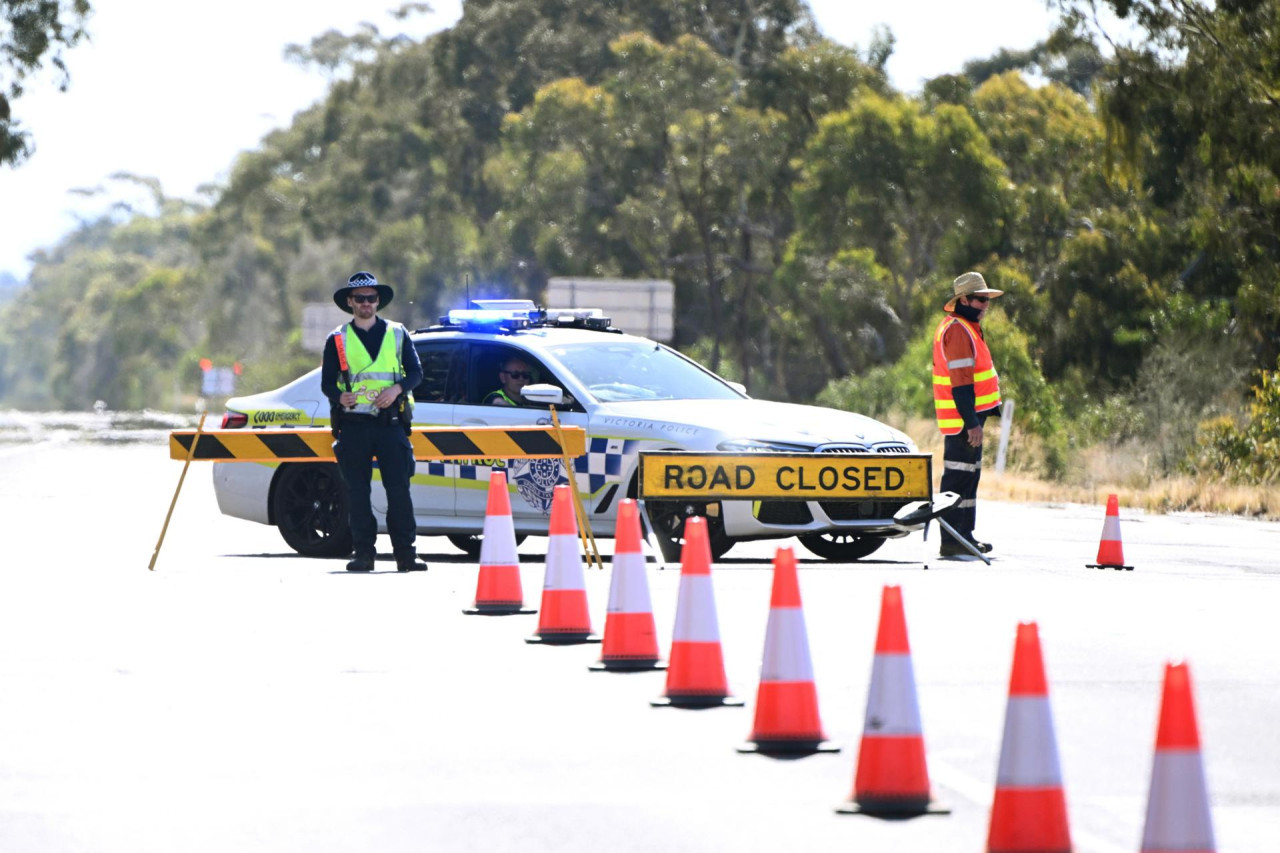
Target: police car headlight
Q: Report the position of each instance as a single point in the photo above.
(751, 445)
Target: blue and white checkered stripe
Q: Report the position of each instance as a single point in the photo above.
(601, 465)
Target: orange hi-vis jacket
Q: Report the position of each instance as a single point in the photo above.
(955, 371)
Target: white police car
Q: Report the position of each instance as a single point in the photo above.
(628, 393)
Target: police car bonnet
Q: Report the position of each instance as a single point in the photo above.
(362, 279)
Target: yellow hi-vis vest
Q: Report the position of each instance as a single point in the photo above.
(986, 384)
(369, 376)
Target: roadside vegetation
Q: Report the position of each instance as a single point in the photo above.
(1124, 192)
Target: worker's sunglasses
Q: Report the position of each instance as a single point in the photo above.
(364, 297)
(519, 374)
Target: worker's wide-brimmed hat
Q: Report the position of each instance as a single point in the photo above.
(357, 281)
(970, 284)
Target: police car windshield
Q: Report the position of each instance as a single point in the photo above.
(632, 370)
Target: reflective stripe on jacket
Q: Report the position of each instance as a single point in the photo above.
(986, 384)
(369, 380)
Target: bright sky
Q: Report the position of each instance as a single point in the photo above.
(175, 90)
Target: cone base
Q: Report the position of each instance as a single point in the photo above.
(893, 808)
(568, 638)
(697, 702)
(1106, 566)
(627, 665)
(787, 747)
(497, 609)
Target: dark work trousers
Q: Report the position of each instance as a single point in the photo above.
(359, 441)
(961, 470)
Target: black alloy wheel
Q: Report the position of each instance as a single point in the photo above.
(668, 519)
(841, 547)
(310, 508)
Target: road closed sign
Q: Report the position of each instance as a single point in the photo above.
(796, 476)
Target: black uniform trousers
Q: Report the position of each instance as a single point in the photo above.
(360, 439)
(961, 470)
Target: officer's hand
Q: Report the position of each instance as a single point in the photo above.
(387, 396)
(975, 436)
(347, 399)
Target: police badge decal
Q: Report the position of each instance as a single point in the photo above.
(536, 480)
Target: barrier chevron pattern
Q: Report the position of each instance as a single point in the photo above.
(429, 443)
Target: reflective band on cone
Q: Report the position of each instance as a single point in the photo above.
(892, 778)
(1110, 551)
(695, 670)
(786, 719)
(1178, 803)
(630, 638)
(1029, 814)
(564, 617)
(498, 589)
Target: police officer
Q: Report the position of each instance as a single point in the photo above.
(966, 391)
(369, 371)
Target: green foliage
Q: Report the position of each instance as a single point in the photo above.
(31, 32)
(1247, 451)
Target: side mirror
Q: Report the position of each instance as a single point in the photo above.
(737, 386)
(544, 394)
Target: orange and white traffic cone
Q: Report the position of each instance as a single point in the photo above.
(498, 590)
(695, 672)
(1178, 802)
(786, 718)
(1110, 551)
(1029, 814)
(892, 778)
(564, 618)
(630, 638)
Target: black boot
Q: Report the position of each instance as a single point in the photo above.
(410, 563)
(360, 564)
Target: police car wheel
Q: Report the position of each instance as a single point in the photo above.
(310, 509)
(470, 542)
(841, 547)
(668, 524)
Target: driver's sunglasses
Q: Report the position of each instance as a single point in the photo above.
(983, 299)
(364, 297)
(519, 374)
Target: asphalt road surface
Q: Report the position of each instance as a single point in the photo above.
(243, 698)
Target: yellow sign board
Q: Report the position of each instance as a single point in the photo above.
(785, 476)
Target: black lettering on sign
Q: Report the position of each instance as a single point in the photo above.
(721, 478)
(894, 478)
(827, 478)
(803, 486)
(783, 471)
(697, 476)
(745, 477)
(852, 482)
(872, 472)
(673, 477)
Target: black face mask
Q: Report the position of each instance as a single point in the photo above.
(968, 312)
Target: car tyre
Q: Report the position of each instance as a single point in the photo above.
(841, 547)
(668, 518)
(310, 509)
(470, 542)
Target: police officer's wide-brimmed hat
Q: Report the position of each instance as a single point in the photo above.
(970, 284)
(362, 279)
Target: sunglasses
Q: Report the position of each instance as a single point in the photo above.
(983, 299)
(518, 374)
(364, 297)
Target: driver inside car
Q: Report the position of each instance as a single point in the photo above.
(514, 375)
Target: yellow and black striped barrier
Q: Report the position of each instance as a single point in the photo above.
(429, 443)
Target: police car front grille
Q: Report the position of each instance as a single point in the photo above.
(783, 512)
(860, 510)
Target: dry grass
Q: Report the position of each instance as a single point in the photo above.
(1101, 471)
